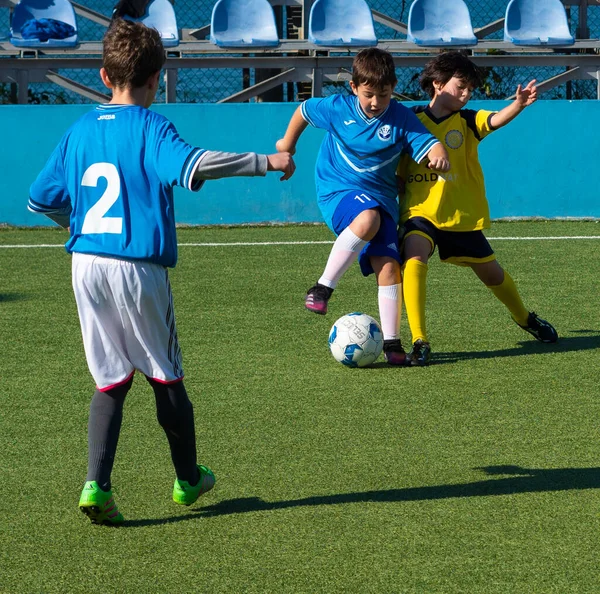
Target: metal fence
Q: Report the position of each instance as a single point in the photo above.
(211, 85)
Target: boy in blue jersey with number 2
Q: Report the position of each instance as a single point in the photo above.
(110, 180)
(367, 133)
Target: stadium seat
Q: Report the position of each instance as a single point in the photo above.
(243, 23)
(537, 22)
(160, 15)
(35, 23)
(341, 22)
(440, 23)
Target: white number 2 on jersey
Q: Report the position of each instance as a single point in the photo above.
(95, 221)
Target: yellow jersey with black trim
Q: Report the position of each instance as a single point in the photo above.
(455, 200)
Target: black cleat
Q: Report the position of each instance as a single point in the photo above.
(420, 354)
(540, 329)
(317, 298)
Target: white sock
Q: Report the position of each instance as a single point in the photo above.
(390, 303)
(344, 252)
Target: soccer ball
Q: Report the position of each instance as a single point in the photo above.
(356, 340)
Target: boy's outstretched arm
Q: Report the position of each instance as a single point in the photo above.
(294, 130)
(217, 164)
(523, 98)
(438, 158)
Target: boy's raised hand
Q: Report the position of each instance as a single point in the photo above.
(438, 158)
(523, 98)
(526, 96)
(281, 162)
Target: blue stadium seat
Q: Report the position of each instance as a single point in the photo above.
(537, 22)
(341, 22)
(160, 15)
(30, 16)
(243, 23)
(440, 23)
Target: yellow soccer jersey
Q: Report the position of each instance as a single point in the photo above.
(454, 201)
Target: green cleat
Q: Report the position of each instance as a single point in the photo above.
(186, 494)
(99, 506)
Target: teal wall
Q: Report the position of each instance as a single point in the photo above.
(543, 164)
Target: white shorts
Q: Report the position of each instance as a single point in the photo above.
(127, 320)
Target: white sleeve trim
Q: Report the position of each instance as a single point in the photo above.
(423, 152)
(305, 115)
(193, 162)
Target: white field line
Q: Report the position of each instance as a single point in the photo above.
(266, 243)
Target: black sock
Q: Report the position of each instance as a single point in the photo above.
(175, 414)
(104, 426)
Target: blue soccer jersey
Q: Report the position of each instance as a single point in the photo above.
(360, 153)
(114, 171)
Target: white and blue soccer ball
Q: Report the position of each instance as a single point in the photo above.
(356, 340)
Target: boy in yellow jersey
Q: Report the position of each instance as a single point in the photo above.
(449, 210)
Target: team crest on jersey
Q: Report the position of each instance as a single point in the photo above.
(454, 139)
(385, 132)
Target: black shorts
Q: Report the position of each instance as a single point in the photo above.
(456, 247)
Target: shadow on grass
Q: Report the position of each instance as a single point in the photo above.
(531, 347)
(523, 480)
(5, 297)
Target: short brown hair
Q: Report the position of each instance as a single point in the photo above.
(446, 65)
(131, 54)
(374, 67)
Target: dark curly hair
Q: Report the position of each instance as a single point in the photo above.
(446, 65)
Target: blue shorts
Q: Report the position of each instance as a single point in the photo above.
(385, 242)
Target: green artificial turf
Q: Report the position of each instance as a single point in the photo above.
(480, 473)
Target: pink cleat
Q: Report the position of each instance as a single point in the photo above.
(394, 353)
(317, 298)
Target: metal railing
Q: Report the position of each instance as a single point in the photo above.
(199, 71)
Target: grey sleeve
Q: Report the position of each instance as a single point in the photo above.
(216, 164)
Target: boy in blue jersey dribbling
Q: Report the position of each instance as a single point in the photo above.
(367, 133)
(110, 181)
